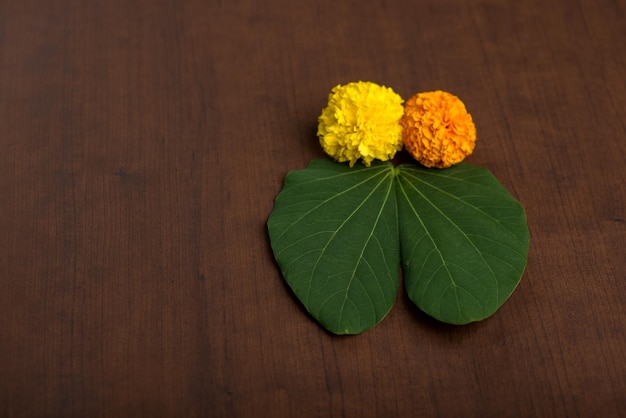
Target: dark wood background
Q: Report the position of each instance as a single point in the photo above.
(142, 144)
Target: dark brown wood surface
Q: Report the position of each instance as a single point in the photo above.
(142, 144)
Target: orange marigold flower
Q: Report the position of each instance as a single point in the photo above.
(437, 130)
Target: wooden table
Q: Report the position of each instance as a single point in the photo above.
(142, 144)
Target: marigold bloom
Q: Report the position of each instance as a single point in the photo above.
(437, 130)
(361, 121)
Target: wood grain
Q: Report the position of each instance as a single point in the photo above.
(142, 144)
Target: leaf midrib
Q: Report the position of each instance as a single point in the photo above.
(323, 249)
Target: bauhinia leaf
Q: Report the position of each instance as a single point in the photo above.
(334, 233)
(464, 241)
(338, 235)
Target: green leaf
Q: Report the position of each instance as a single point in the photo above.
(464, 241)
(338, 235)
(334, 233)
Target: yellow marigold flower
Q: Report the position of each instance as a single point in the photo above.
(361, 121)
(437, 130)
